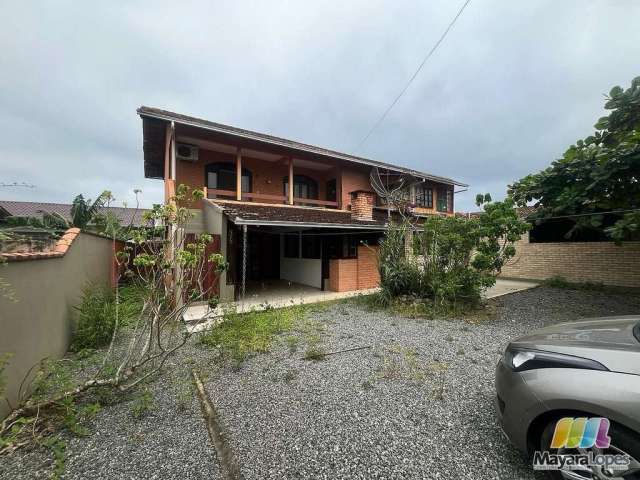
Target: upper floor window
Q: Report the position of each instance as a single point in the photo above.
(222, 176)
(303, 187)
(332, 190)
(424, 196)
(445, 200)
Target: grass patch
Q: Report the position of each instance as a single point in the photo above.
(242, 335)
(422, 308)
(558, 281)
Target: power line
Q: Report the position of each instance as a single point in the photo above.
(413, 77)
(590, 214)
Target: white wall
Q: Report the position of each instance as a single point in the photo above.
(213, 221)
(306, 271)
(37, 323)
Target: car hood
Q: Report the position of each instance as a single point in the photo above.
(608, 340)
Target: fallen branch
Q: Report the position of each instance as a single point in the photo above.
(230, 469)
(345, 351)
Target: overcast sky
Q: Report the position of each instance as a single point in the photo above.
(512, 86)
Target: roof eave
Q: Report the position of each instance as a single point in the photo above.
(336, 155)
(276, 223)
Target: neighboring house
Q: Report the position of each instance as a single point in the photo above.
(10, 208)
(279, 209)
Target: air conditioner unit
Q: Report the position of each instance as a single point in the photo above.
(186, 152)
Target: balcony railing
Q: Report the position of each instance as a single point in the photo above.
(213, 193)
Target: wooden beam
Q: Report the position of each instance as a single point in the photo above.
(290, 192)
(239, 174)
(173, 152)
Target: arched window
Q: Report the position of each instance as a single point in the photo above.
(222, 176)
(303, 187)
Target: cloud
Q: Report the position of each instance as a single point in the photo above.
(512, 86)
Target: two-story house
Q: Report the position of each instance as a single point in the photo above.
(281, 210)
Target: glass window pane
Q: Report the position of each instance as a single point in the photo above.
(246, 184)
(212, 180)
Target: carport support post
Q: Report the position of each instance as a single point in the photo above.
(244, 259)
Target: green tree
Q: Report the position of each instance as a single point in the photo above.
(598, 174)
(455, 259)
(84, 211)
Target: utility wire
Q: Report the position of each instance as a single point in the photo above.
(590, 214)
(413, 77)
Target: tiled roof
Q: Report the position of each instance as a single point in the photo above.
(159, 114)
(59, 250)
(266, 214)
(126, 216)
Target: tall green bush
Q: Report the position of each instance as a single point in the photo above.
(96, 314)
(452, 259)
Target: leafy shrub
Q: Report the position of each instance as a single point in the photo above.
(454, 258)
(97, 314)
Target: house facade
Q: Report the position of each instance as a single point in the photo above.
(279, 210)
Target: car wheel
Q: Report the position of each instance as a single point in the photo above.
(623, 442)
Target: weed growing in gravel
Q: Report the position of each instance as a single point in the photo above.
(290, 376)
(438, 369)
(292, 342)
(142, 404)
(314, 352)
(400, 363)
(367, 385)
(184, 394)
(58, 450)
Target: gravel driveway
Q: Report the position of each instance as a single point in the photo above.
(417, 404)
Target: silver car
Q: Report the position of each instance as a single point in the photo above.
(576, 372)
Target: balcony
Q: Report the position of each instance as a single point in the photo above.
(213, 193)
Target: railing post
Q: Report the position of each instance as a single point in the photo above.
(290, 192)
(239, 174)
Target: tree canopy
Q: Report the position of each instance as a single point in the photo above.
(598, 174)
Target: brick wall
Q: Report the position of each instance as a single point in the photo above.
(353, 179)
(355, 273)
(597, 262)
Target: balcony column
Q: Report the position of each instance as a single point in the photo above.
(290, 192)
(238, 174)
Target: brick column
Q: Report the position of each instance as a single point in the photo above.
(362, 205)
